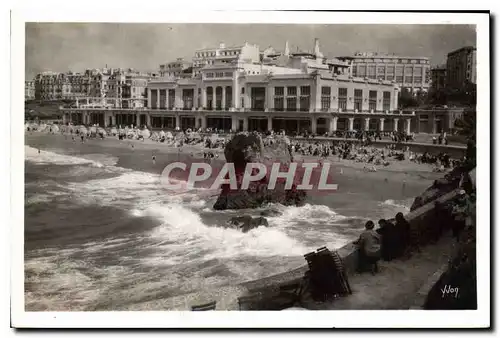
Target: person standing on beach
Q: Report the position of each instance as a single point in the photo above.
(154, 159)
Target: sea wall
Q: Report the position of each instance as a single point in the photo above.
(227, 297)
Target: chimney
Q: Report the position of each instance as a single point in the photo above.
(316, 47)
(287, 50)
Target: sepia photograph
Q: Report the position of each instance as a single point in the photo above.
(275, 161)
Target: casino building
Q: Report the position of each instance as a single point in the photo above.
(297, 92)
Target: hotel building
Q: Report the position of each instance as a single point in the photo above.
(29, 90)
(410, 73)
(177, 68)
(295, 92)
(225, 54)
(461, 68)
(438, 78)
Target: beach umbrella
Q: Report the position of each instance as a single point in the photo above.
(168, 135)
(195, 135)
(102, 131)
(162, 134)
(55, 128)
(82, 130)
(145, 133)
(113, 131)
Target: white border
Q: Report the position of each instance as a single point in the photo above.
(318, 319)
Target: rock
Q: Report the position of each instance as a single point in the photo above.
(243, 149)
(246, 223)
(440, 187)
(270, 212)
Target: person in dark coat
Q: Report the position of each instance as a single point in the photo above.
(387, 232)
(408, 236)
(402, 234)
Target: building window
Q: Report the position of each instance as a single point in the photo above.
(218, 98)
(154, 97)
(219, 74)
(279, 101)
(229, 97)
(210, 98)
(386, 103)
(291, 100)
(408, 79)
(362, 71)
(372, 103)
(380, 70)
(343, 98)
(209, 75)
(325, 97)
(358, 99)
(371, 72)
(417, 79)
(291, 103)
(305, 98)
(187, 98)
(258, 98)
(163, 98)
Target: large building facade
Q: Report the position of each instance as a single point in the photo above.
(225, 54)
(412, 74)
(177, 68)
(248, 97)
(438, 78)
(61, 86)
(461, 68)
(29, 90)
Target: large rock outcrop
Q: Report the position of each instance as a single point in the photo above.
(440, 187)
(243, 149)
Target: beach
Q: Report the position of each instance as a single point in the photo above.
(100, 231)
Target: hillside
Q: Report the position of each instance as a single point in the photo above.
(43, 109)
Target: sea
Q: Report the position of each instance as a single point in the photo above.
(101, 233)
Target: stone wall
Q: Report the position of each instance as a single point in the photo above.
(227, 297)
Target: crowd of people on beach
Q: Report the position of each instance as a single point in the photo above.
(441, 139)
(370, 154)
(212, 142)
(398, 239)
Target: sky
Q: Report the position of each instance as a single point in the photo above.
(144, 46)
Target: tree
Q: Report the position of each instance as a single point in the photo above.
(466, 125)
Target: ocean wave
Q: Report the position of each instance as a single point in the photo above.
(190, 239)
(308, 213)
(401, 204)
(48, 157)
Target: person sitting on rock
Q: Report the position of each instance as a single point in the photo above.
(368, 249)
